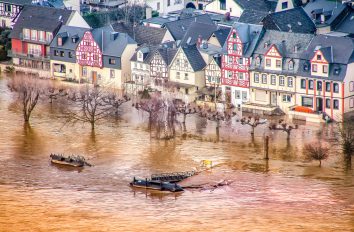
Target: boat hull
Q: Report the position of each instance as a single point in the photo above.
(72, 164)
(154, 185)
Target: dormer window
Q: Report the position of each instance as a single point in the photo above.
(258, 61)
(336, 70)
(306, 66)
(325, 69)
(60, 41)
(291, 65)
(314, 67)
(284, 5)
(234, 35)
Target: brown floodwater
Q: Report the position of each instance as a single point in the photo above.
(284, 194)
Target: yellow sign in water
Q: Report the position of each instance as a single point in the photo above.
(207, 163)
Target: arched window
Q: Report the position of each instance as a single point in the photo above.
(258, 61)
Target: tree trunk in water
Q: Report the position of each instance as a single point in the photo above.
(252, 132)
(320, 163)
(217, 131)
(92, 126)
(184, 118)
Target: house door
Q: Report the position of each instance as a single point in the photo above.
(273, 98)
(319, 104)
(94, 78)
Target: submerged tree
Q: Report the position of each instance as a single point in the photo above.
(88, 105)
(283, 126)
(217, 117)
(185, 110)
(29, 90)
(316, 152)
(253, 122)
(116, 100)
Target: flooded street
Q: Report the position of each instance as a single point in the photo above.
(284, 194)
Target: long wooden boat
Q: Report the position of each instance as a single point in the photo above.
(156, 185)
(73, 161)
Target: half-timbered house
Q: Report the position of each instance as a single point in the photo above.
(33, 32)
(187, 70)
(9, 10)
(275, 66)
(160, 61)
(325, 85)
(236, 61)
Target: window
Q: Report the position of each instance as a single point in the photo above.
(48, 36)
(60, 41)
(41, 36)
(351, 102)
(278, 63)
(291, 65)
(284, 5)
(26, 33)
(56, 53)
(229, 74)
(256, 78)
(70, 54)
(158, 6)
(234, 47)
(328, 103)
(290, 82)
(307, 101)
(314, 68)
(335, 104)
(244, 95)
(281, 81)
(258, 61)
(264, 78)
(112, 61)
(268, 62)
(234, 35)
(319, 57)
(95, 57)
(230, 59)
(325, 69)
(319, 85)
(273, 79)
(303, 84)
(335, 87)
(240, 76)
(186, 76)
(351, 86)
(83, 56)
(222, 4)
(310, 84)
(328, 86)
(168, 2)
(286, 98)
(33, 34)
(7, 7)
(112, 73)
(238, 94)
(84, 71)
(62, 53)
(240, 61)
(178, 75)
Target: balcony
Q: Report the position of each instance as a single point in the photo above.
(28, 56)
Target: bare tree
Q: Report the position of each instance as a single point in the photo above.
(217, 117)
(116, 100)
(54, 93)
(29, 90)
(283, 126)
(88, 105)
(316, 152)
(253, 122)
(185, 110)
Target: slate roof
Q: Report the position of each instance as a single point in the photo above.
(141, 34)
(263, 5)
(250, 34)
(347, 24)
(285, 43)
(194, 57)
(179, 28)
(333, 10)
(294, 20)
(67, 32)
(197, 29)
(252, 16)
(18, 2)
(167, 54)
(40, 18)
(221, 34)
(111, 47)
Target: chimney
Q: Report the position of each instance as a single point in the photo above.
(323, 19)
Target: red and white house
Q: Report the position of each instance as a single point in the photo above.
(236, 61)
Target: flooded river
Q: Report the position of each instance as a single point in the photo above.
(284, 194)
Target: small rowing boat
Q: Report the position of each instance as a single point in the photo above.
(156, 185)
(74, 161)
